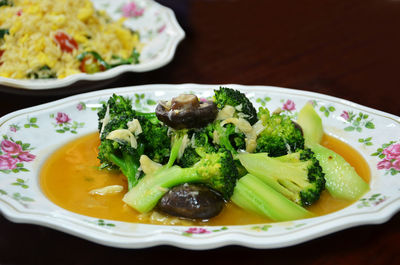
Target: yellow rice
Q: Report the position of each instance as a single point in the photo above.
(30, 43)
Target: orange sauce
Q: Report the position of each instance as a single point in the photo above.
(72, 172)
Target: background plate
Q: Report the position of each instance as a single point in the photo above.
(159, 31)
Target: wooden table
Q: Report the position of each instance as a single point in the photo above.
(347, 49)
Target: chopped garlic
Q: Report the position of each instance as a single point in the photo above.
(134, 127)
(123, 135)
(226, 113)
(107, 190)
(185, 143)
(245, 127)
(258, 127)
(105, 120)
(147, 165)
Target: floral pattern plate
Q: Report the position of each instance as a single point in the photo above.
(159, 31)
(30, 135)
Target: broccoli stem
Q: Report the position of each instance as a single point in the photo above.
(254, 195)
(275, 171)
(174, 151)
(129, 167)
(146, 194)
(224, 138)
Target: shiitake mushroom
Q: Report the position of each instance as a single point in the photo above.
(186, 111)
(192, 201)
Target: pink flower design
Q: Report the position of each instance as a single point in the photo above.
(62, 118)
(289, 105)
(384, 164)
(313, 102)
(13, 128)
(8, 162)
(197, 230)
(26, 157)
(345, 115)
(10, 148)
(132, 10)
(162, 28)
(396, 164)
(392, 151)
(80, 106)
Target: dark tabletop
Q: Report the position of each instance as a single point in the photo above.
(347, 49)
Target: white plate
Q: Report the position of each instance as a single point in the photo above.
(21, 198)
(159, 31)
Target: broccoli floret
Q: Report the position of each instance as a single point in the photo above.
(115, 106)
(280, 136)
(119, 105)
(216, 170)
(229, 137)
(155, 136)
(200, 143)
(298, 176)
(228, 96)
(118, 153)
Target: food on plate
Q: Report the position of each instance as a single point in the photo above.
(239, 163)
(54, 39)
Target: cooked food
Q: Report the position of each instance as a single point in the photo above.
(42, 39)
(264, 163)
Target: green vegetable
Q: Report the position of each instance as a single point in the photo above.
(133, 59)
(228, 96)
(280, 136)
(95, 55)
(298, 176)
(311, 123)
(342, 181)
(6, 3)
(43, 72)
(216, 170)
(119, 153)
(201, 143)
(256, 196)
(3, 32)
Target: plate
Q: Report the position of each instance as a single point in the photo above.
(35, 133)
(159, 31)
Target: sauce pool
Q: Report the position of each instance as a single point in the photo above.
(72, 172)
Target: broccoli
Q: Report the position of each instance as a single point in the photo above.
(123, 149)
(228, 96)
(115, 106)
(119, 153)
(298, 176)
(229, 137)
(155, 136)
(280, 136)
(200, 143)
(216, 170)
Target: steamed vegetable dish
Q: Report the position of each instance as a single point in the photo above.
(197, 159)
(54, 39)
